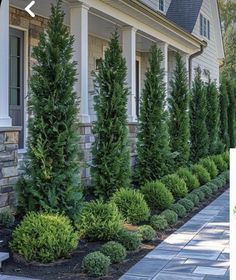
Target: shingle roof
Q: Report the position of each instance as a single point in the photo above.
(184, 13)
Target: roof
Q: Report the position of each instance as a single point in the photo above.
(184, 13)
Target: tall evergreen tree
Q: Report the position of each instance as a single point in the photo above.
(198, 111)
(111, 162)
(224, 104)
(179, 115)
(213, 116)
(231, 113)
(52, 179)
(153, 141)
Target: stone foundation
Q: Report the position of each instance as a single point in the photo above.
(8, 166)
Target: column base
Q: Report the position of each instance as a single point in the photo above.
(132, 119)
(5, 122)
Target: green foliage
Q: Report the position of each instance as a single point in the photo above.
(187, 203)
(130, 240)
(152, 146)
(179, 116)
(207, 191)
(111, 168)
(99, 221)
(210, 166)
(158, 222)
(179, 210)
(219, 182)
(198, 112)
(225, 175)
(127, 201)
(214, 187)
(231, 90)
(190, 180)
(157, 196)
(220, 163)
(51, 182)
(226, 157)
(176, 185)
(200, 194)
(194, 198)
(115, 251)
(170, 216)
(224, 104)
(228, 12)
(96, 264)
(44, 237)
(7, 218)
(213, 116)
(147, 233)
(201, 173)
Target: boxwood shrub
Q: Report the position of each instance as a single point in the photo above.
(179, 210)
(96, 264)
(158, 222)
(187, 203)
(207, 191)
(7, 218)
(44, 238)
(170, 216)
(194, 198)
(132, 205)
(147, 233)
(115, 251)
(130, 240)
(201, 173)
(210, 167)
(176, 185)
(99, 221)
(190, 180)
(226, 157)
(200, 194)
(157, 196)
(220, 163)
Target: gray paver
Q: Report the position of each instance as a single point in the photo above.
(6, 277)
(199, 250)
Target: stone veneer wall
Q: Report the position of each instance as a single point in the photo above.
(8, 166)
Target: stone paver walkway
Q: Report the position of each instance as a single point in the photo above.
(199, 250)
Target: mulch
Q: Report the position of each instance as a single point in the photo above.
(70, 268)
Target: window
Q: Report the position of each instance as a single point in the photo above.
(16, 81)
(205, 28)
(161, 5)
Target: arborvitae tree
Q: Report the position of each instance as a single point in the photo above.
(213, 116)
(153, 141)
(198, 111)
(231, 113)
(224, 104)
(179, 115)
(51, 182)
(111, 159)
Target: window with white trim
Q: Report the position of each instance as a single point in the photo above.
(205, 27)
(161, 5)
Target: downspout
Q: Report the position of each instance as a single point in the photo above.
(191, 57)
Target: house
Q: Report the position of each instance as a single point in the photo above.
(190, 27)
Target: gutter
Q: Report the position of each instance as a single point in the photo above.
(191, 57)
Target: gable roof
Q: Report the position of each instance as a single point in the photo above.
(184, 13)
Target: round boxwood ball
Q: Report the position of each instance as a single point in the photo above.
(130, 240)
(158, 222)
(96, 264)
(147, 233)
(115, 251)
(170, 216)
(179, 210)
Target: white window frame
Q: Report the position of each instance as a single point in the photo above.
(205, 26)
(161, 5)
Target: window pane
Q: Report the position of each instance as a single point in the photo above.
(14, 46)
(161, 5)
(14, 96)
(208, 29)
(201, 25)
(15, 72)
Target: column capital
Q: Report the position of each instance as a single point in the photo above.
(129, 28)
(81, 5)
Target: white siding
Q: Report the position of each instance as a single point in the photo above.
(154, 4)
(209, 59)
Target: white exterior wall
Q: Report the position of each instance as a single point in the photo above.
(154, 4)
(209, 59)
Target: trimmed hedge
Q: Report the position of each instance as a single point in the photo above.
(157, 196)
(194, 198)
(188, 204)
(147, 233)
(115, 251)
(158, 222)
(179, 210)
(190, 179)
(210, 167)
(96, 264)
(170, 216)
(132, 205)
(176, 185)
(130, 240)
(201, 173)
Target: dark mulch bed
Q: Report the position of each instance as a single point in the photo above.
(70, 268)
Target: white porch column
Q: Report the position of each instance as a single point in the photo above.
(164, 49)
(79, 28)
(5, 119)
(129, 52)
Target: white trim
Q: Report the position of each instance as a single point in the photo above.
(26, 77)
(139, 59)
